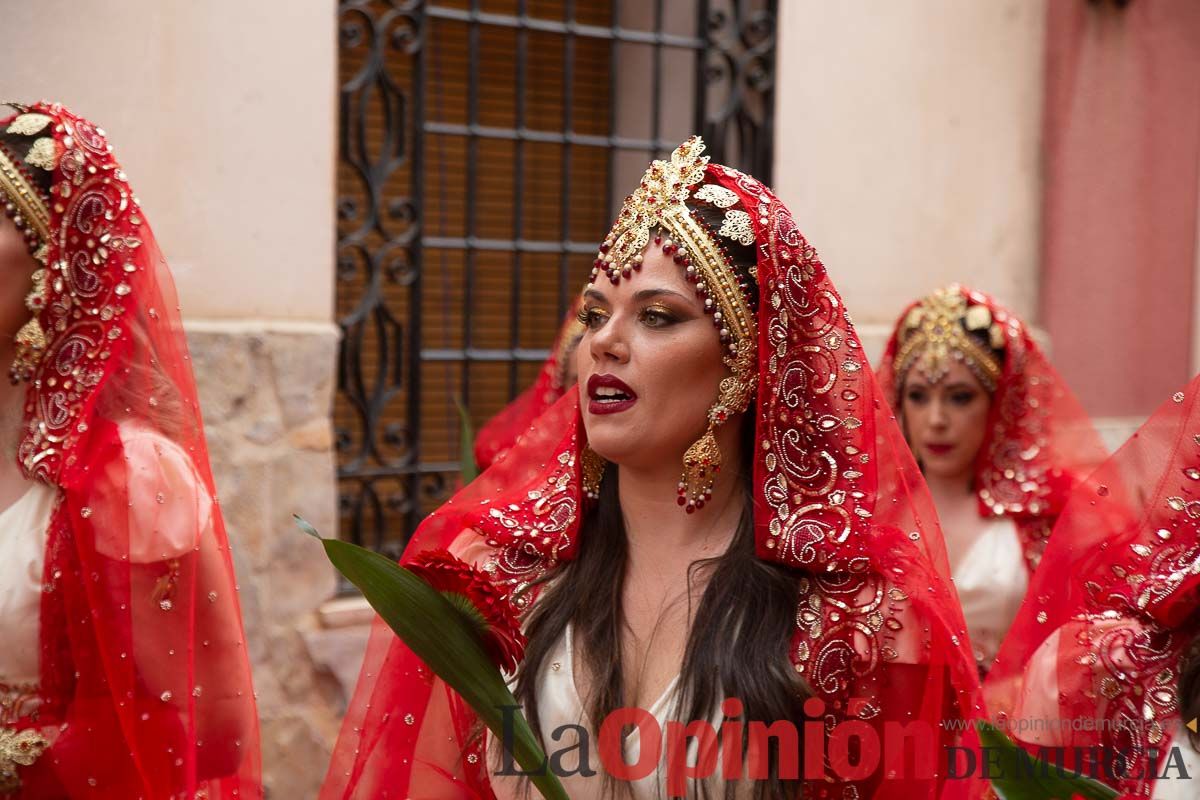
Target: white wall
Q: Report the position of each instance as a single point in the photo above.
(223, 114)
(907, 146)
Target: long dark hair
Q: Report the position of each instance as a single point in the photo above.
(738, 643)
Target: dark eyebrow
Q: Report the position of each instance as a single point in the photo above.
(959, 385)
(639, 296)
(647, 294)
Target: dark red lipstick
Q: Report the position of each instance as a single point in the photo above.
(608, 394)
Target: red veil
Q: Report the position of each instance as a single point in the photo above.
(1040, 442)
(837, 498)
(497, 437)
(144, 685)
(1110, 613)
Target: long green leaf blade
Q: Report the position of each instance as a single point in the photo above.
(440, 635)
(466, 444)
(1026, 777)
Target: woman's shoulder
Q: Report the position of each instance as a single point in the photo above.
(151, 505)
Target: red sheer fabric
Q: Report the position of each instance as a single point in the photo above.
(1093, 658)
(837, 498)
(145, 687)
(497, 437)
(1040, 441)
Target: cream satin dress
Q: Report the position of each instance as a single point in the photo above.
(991, 580)
(22, 555)
(559, 705)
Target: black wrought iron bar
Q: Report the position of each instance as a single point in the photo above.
(514, 336)
(455, 354)
(412, 470)
(506, 245)
(656, 69)
(700, 115)
(546, 137)
(565, 28)
(472, 205)
(416, 299)
(568, 126)
(610, 154)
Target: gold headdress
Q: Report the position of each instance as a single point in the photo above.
(936, 330)
(24, 201)
(660, 202)
(28, 206)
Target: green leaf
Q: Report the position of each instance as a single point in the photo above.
(447, 641)
(1026, 777)
(466, 444)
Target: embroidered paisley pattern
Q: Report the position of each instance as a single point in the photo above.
(88, 262)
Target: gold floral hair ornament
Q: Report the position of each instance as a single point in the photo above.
(23, 201)
(660, 203)
(938, 329)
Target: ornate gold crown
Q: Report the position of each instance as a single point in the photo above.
(936, 331)
(660, 201)
(22, 200)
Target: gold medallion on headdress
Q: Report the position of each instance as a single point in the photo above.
(939, 329)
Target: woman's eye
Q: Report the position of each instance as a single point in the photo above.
(657, 317)
(591, 317)
(962, 398)
(916, 396)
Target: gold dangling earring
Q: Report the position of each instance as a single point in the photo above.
(593, 473)
(31, 339)
(702, 461)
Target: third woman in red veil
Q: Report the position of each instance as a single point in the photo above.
(722, 523)
(1104, 656)
(1000, 440)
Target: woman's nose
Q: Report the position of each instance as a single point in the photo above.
(608, 343)
(937, 414)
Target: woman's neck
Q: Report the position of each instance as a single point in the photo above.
(949, 490)
(657, 527)
(12, 399)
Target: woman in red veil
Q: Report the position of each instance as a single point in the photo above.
(999, 437)
(124, 671)
(498, 436)
(1104, 653)
(721, 525)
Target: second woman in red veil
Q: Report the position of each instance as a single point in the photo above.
(724, 509)
(1001, 441)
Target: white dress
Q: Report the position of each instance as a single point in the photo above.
(22, 555)
(559, 705)
(991, 579)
